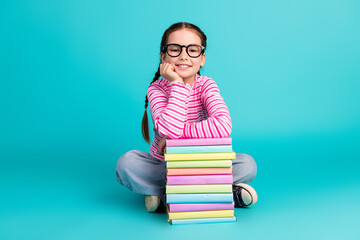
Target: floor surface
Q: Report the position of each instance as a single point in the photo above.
(308, 188)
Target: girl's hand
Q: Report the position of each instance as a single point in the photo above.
(162, 145)
(167, 70)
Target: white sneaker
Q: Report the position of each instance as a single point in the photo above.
(244, 195)
(152, 203)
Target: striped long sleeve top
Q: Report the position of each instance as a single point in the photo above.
(182, 111)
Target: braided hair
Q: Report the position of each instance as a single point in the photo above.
(172, 28)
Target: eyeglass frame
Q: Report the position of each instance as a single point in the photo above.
(165, 47)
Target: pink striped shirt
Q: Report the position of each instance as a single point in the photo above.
(182, 111)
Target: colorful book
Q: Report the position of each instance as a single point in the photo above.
(198, 141)
(199, 164)
(209, 188)
(201, 214)
(202, 179)
(202, 220)
(199, 149)
(199, 156)
(190, 207)
(198, 171)
(199, 197)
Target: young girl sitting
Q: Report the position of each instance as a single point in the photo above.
(183, 104)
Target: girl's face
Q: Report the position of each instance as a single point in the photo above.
(185, 66)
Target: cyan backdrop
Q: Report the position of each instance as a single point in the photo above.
(74, 76)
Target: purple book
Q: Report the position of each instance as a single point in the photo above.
(190, 207)
(200, 179)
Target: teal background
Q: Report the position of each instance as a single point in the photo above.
(74, 76)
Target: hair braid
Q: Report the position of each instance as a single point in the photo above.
(145, 121)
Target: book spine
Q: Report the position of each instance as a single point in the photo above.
(198, 141)
(199, 198)
(198, 171)
(199, 164)
(203, 179)
(209, 188)
(201, 214)
(199, 156)
(199, 149)
(190, 207)
(202, 220)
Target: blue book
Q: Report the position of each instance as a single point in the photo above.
(199, 197)
(199, 149)
(202, 220)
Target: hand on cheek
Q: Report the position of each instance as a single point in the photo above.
(167, 70)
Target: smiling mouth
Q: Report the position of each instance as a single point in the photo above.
(184, 66)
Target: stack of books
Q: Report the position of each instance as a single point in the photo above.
(199, 180)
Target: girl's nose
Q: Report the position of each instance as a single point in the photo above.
(183, 55)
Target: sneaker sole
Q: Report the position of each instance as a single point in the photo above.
(251, 190)
(151, 205)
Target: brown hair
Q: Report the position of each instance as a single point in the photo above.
(172, 28)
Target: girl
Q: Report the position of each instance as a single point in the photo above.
(183, 104)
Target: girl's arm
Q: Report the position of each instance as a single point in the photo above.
(168, 112)
(218, 123)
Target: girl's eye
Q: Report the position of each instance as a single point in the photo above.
(194, 49)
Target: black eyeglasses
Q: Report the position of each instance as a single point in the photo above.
(174, 50)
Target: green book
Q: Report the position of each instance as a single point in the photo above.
(206, 188)
(200, 164)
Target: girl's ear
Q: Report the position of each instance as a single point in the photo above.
(203, 60)
(162, 57)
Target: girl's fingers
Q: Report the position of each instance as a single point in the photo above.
(169, 68)
(166, 68)
(162, 68)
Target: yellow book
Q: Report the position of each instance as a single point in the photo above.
(203, 188)
(201, 214)
(199, 156)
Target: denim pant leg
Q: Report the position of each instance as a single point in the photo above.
(142, 173)
(244, 168)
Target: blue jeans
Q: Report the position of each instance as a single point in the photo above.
(142, 173)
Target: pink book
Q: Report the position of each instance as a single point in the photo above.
(190, 207)
(198, 142)
(198, 171)
(201, 179)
